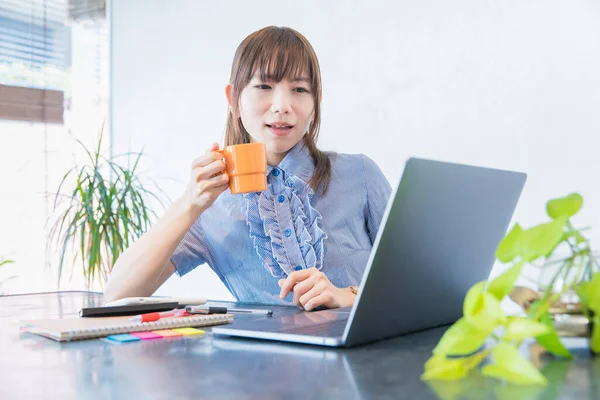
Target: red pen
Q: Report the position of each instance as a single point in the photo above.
(155, 316)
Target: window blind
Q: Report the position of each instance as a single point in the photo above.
(34, 59)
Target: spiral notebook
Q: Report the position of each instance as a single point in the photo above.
(68, 329)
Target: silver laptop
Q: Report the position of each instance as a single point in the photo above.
(437, 238)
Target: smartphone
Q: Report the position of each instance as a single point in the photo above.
(116, 311)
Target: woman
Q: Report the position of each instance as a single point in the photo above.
(305, 240)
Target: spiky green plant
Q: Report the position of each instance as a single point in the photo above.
(106, 210)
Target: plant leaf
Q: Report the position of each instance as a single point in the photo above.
(504, 283)
(551, 341)
(541, 240)
(593, 293)
(445, 369)
(434, 361)
(460, 339)
(596, 335)
(482, 310)
(574, 233)
(583, 290)
(442, 368)
(510, 366)
(565, 206)
(519, 328)
(6, 262)
(508, 248)
(64, 178)
(508, 375)
(471, 297)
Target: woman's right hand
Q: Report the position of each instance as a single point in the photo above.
(208, 179)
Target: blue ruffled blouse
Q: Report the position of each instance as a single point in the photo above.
(251, 241)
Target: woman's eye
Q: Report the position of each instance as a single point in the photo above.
(264, 87)
(301, 90)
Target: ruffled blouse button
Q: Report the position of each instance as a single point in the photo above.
(276, 172)
(281, 198)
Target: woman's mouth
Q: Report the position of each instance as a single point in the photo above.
(280, 129)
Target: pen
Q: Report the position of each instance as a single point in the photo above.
(225, 310)
(155, 316)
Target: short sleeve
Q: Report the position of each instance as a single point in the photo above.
(191, 251)
(378, 191)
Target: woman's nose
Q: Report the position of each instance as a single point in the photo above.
(281, 101)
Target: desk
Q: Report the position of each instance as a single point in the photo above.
(34, 367)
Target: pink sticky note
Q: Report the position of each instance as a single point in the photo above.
(146, 335)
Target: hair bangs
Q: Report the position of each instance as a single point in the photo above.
(283, 56)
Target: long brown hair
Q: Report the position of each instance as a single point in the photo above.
(278, 53)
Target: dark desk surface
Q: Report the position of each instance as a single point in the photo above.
(34, 367)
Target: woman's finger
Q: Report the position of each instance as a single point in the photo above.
(216, 181)
(292, 279)
(210, 170)
(303, 287)
(207, 158)
(314, 291)
(322, 299)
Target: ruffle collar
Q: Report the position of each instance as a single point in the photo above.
(300, 244)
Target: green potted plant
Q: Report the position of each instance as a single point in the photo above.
(105, 209)
(484, 330)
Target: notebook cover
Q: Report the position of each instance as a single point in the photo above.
(86, 328)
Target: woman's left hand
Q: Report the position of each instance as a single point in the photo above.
(311, 289)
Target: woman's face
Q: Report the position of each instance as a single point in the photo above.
(276, 114)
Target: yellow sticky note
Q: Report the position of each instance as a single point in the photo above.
(189, 331)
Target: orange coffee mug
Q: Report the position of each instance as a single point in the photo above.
(246, 166)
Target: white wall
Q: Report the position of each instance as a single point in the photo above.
(507, 84)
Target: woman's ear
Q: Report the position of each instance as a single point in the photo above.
(229, 96)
